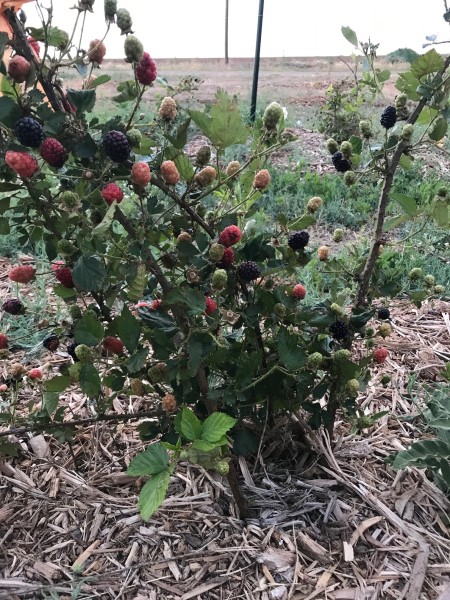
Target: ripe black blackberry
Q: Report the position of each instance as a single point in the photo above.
(116, 146)
(13, 306)
(383, 313)
(248, 271)
(298, 240)
(388, 117)
(51, 343)
(71, 351)
(339, 330)
(29, 132)
(340, 163)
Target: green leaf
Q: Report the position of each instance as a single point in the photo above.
(136, 288)
(405, 162)
(83, 100)
(180, 139)
(291, 353)
(407, 203)
(100, 80)
(350, 36)
(4, 226)
(85, 147)
(89, 331)
(53, 35)
(63, 292)
(89, 274)
(90, 382)
(128, 91)
(407, 83)
(153, 494)
(189, 426)
(3, 42)
(9, 112)
(157, 319)
(439, 129)
(57, 384)
(137, 360)
(225, 126)
(128, 329)
(105, 223)
(50, 402)
(150, 462)
(247, 367)
(203, 446)
(440, 424)
(8, 448)
(190, 297)
(422, 454)
(395, 222)
(216, 426)
(356, 143)
(431, 62)
(440, 213)
(302, 222)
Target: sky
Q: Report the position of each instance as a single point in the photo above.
(195, 28)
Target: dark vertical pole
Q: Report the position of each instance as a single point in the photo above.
(257, 55)
(226, 32)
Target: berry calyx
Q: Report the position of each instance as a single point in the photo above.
(29, 132)
(21, 163)
(22, 274)
(299, 291)
(112, 192)
(54, 153)
(379, 355)
(140, 174)
(230, 236)
(211, 306)
(113, 345)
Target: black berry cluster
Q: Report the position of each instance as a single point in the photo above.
(248, 271)
(29, 132)
(298, 240)
(51, 343)
(340, 163)
(13, 306)
(388, 117)
(383, 313)
(339, 330)
(116, 146)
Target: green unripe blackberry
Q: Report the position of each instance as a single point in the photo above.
(338, 235)
(222, 467)
(110, 10)
(66, 248)
(84, 353)
(415, 274)
(370, 343)
(314, 361)
(157, 373)
(272, 116)
(219, 279)
(314, 204)
(429, 280)
(203, 156)
(134, 49)
(352, 387)
(347, 150)
(439, 289)
(332, 146)
(279, 309)
(134, 137)
(369, 332)
(75, 312)
(385, 330)
(337, 309)
(400, 100)
(137, 387)
(124, 21)
(349, 178)
(407, 132)
(342, 355)
(365, 129)
(69, 200)
(216, 252)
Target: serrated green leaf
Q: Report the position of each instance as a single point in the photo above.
(302, 222)
(290, 350)
(50, 402)
(190, 297)
(350, 36)
(83, 100)
(9, 111)
(105, 223)
(89, 331)
(440, 213)
(128, 329)
(430, 62)
(63, 292)
(357, 144)
(407, 203)
(136, 289)
(407, 83)
(203, 446)
(150, 462)
(137, 360)
(57, 384)
(179, 141)
(90, 382)
(439, 129)
(89, 274)
(128, 91)
(53, 35)
(100, 80)
(395, 222)
(190, 426)
(153, 494)
(422, 454)
(216, 426)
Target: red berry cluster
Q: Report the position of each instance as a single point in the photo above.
(146, 70)
(230, 236)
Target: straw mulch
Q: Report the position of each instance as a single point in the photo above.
(335, 524)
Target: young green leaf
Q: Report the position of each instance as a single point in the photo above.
(153, 493)
(216, 426)
(190, 426)
(150, 462)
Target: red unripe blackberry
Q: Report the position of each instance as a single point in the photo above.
(340, 163)
(64, 276)
(113, 345)
(3, 341)
(380, 354)
(35, 374)
(248, 271)
(299, 291)
(227, 258)
(35, 45)
(211, 306)
(29, 132)
(146, 70)
(156, 304)
(388, 117)
(21, 163)
(339, 330)
(230, 236)
(54, 153)
(298, 240)
(169, 172)
(140, 174)
(116, 146)
(22, 274)
(18, 68)
(13, 306)
(110, 192)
